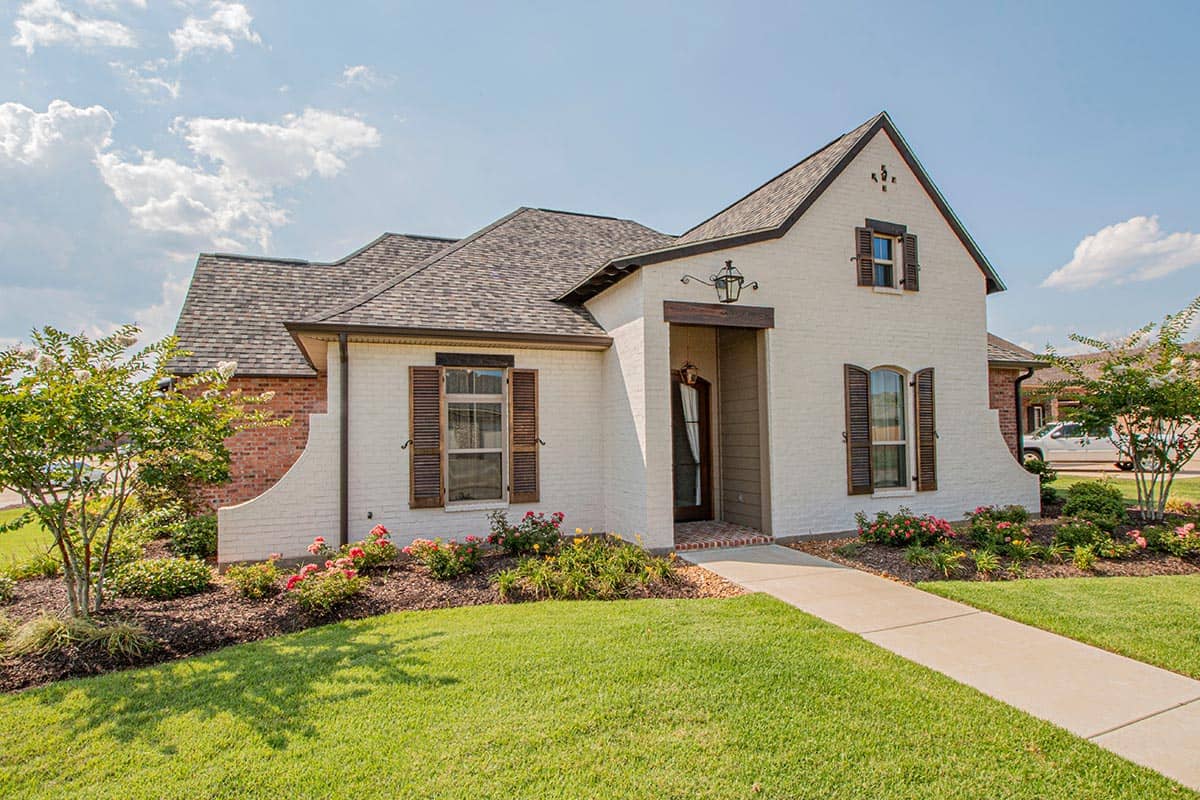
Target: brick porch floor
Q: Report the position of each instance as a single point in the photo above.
(716, 533)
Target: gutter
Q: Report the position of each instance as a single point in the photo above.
(1020, 426)
(344, 441)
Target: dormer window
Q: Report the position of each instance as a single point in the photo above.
(883, 249)
(885, 255)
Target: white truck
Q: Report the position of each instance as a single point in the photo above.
(1068, 442)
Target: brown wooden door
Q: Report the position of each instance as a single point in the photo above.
(691, 445)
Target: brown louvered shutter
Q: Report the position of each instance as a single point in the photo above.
(858, 431)
(863, 241)
(426, 432)
(523, 470)
(912, 265)
(923, 405)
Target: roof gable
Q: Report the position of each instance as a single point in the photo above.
(771, 210)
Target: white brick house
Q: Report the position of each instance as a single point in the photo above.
(561, 362)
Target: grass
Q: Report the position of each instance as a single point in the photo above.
(737, 698)
(18, 545)
(1153, 619)
(1182, 488)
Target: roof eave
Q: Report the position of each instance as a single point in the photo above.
(581, 341)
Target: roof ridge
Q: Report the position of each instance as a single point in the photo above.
(380, 288)
(336, 262)
(863, 127)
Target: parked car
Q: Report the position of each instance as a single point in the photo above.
(1069, 442)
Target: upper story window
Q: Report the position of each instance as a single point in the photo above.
(883, 251)
(889, 435)
(475, 440)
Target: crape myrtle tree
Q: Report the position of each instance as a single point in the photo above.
(85, 424)
(1143, 393)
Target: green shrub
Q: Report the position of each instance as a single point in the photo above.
(587, 568)
(8, 587)
(1178, 540)
(446, 560)
(1096, 497)
(535, 533)
(162, 578)
(1045, 473)
(195, 537)
(987, 563)
(947, 560)
(7, 627)
(1084, 557)
(1021, 550)
(44, 564)
(992, 526)
(917, 555)
(1115, 550)
(903, 528)
(254, 581)
(1079, 533)
(49, 634)
(1050, 495)
(149, 522)
(1105, 522)
(319, 591)
(1056, 551)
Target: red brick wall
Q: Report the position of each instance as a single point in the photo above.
(260, 457)
(1002, 395)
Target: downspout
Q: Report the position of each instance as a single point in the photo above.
(344, 442)
(1020, 425)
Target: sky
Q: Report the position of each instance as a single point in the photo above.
(135, 134)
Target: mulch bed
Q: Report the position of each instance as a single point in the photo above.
(188, 626)
(888, 561)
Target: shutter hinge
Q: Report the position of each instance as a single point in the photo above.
(844, 439)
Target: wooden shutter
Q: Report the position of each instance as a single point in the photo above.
(912, 265)
(923, 410)
(523, 442)
(859, 474)
(863, 243)
(427, 438)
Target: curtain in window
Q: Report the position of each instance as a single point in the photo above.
(690, 398)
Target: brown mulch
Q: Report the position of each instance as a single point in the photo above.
(219, 617)
(888, 561)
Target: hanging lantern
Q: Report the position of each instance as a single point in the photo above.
(689, 372)
(728, 283)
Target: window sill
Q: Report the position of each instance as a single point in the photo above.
(884, 494)
(488, 505)
(886, 290)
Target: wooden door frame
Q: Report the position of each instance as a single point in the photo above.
(704, 511)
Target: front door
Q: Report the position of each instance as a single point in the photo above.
(691, 445)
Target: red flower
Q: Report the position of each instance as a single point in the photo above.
(357, 552)
(379, 532)
(293, 581)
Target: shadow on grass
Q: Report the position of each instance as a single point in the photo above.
(276, 687)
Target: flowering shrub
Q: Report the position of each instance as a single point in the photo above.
(903, 527)
(535, 533)
(255, 581)
(1182, 540)
(319, 590)
(587, 568)
(994, 527)
(446, 560)
(377, 549)
(162, 578)
(1080, 533)
(1184, 509)
(1014, 513)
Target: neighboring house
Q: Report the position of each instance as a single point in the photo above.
(566, 362)
(1010, 366)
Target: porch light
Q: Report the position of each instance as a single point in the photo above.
(689, 372)
(728, 283)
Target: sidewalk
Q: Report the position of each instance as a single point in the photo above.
(1148, 715)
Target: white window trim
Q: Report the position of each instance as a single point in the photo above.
(502, 400)
(909, 488)
(894, 262)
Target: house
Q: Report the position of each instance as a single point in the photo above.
(554, 361)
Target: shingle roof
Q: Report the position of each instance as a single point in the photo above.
(1091, 363)
(236, 305)
(1002, 351)
(502, 279)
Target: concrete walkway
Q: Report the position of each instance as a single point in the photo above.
(1145, 714)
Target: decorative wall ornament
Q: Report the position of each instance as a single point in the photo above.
(882, 177)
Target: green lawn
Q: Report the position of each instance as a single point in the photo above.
(641, 699)
(18, 545)
(1153, 619)
(1182, 488)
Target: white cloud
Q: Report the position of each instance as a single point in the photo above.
(146, 81)
(46, 22)
(1134, 250)
(228, 23)
(157, 320)
(28, 136)
(362, 76)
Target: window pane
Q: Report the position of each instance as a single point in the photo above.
(883, 275)
(882, 248)
(474, 381)
(474, 476)
(890, 463)
(472, 426)
(887, 406)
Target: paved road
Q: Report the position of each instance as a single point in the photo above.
(1190, 470)
(1145, 714)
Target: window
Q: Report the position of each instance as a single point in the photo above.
(1072, 430)
(883, 252)
(475, 440)
(889, 437)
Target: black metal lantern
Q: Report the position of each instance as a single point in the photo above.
(728, 283)
(689, 372)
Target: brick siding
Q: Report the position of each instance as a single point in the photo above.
(260, 457)
(1002, 397)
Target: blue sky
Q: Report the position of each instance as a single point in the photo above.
(135, 134)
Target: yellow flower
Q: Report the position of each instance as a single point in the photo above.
(579, 540)
(537, 547)
(579, 530)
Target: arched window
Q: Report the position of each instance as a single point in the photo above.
(889, 433)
